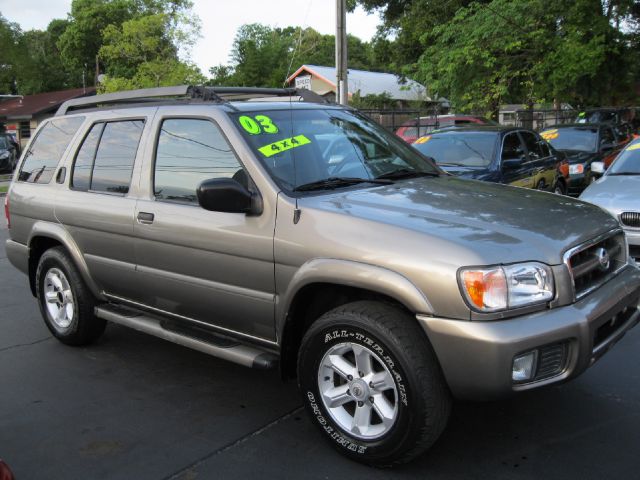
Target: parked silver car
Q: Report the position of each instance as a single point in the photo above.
(618, 192)
(385, 285)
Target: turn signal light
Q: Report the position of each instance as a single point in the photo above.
(487, 289)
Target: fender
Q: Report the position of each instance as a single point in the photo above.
(352, 274)
(58, 232)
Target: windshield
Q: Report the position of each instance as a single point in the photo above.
(469, 149)
(302, 146)
(579, 139)
(3, 143)
(628, 162)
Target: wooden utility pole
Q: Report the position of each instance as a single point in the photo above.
(342, 86)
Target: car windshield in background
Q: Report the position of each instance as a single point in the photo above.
(4, 145)
(302, 146)
(628, 163)
(577, 139)
(469, 149)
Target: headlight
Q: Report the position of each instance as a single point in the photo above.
(502, 288)
(576, 169)
(4, 156)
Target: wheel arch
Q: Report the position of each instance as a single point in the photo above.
(47, 235)
(323, 284)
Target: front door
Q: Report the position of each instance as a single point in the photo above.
(201, 266)
(513, 162)
(541, 163)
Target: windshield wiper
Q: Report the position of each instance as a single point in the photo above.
(406, 173)
(624, 173)
(336, 182)
(448, 164)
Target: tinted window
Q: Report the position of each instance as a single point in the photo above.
(4, 144)
(190, 151)
(511, 148)
(47, 148)
(116, 154)
(81, 176)
(607, 136)
(533, 145)
(471, 149)
(577, 139)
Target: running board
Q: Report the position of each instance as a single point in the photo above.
(240, 354)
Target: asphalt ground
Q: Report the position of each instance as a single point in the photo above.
(136, 407)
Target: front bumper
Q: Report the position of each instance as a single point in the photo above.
(476, 357)
(577, 183)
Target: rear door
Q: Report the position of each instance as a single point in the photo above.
(202, 266)
(514, 162)
(97, 208)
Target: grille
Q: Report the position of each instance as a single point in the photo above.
(585, 264)
(634, 251)
(630, 219)
(552, 360)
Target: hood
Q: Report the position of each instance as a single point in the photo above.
(494, 222)
(615, 193)
(577, 156)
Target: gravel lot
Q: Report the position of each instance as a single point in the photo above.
(136, 407)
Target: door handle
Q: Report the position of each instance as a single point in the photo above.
(145, 218)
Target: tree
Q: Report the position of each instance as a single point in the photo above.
(143, 52)
(9, 39)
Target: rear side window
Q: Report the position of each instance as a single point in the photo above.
(47, 148)
(105, 160)
(190, 151)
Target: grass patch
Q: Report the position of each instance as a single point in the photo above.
(4, 188)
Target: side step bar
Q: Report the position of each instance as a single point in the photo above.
(241, 354)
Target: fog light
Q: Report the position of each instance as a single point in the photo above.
(524, 366)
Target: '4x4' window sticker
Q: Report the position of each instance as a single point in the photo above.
(258, 124)
(284, 145)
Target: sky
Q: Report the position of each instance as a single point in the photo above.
(220, 20)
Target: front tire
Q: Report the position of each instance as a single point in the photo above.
(372, 384)
(65, 301)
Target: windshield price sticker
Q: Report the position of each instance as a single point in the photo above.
(284, 145)
(550, 134)
(258, 124)
(423, 139)
(635, 146)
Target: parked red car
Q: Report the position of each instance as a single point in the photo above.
(413, 129)
(5, 473)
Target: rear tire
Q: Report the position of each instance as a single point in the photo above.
(65, 301)
(372, 384)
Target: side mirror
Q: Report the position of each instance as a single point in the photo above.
(227, 195)
(597, 169)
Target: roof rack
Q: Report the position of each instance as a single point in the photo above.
(186, 93)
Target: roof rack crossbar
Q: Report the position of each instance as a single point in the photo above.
(212, 94)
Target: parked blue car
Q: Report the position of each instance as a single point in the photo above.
(508, 155)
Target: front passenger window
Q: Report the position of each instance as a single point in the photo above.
(189, 152)
(512, 148)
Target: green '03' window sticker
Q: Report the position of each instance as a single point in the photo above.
(258, 124)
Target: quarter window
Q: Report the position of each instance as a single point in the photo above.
(189, 152)
(105, 160)
(47, 148)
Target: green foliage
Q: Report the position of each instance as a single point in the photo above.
(374, 101)
(266, 56)
(480, 54)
